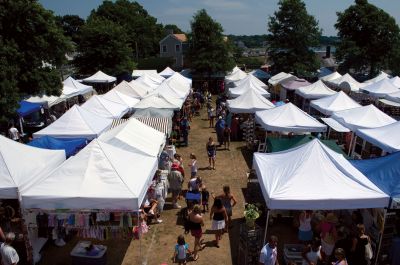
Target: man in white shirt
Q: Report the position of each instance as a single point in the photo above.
(13, 133)
(9, 255)
(269, 253)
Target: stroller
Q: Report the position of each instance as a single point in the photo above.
(192, 198)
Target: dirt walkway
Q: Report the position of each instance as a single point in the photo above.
(156, 247)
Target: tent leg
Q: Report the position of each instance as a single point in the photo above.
(381, 237)
(266, 228)
(354, 146)
(21, 126)
(329, 133)
(351, 143)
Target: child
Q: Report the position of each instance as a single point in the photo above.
(193, 165)
(204, 197)
(181, 250)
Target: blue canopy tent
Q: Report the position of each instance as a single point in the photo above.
(26, 108)
(71, 146)
(384, 172)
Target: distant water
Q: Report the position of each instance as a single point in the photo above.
(323, 49)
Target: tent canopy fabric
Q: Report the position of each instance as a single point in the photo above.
(336, 102)
(362, 118)
(100, 176)
(395, 81)
(249, 102)
(347, 82)
(393, 96)
(384, 172)
(81, 89)
(250, 79)
(335, 125)
(135, 89)
(159, 101)
(150, 80)
(385, 137)
(152, 112)
(380, 88)
(282, 144)
(167, 72)
(288, 118)
(161, 124)
(70, 146)
(139, 73)
(172, 91)
(324, 71)
(21, 165)
(26, 108)
(315, 91)
(246, 86)
(236, 75)
(294, 84)
(382, 75)
(279, 78)
(181, 82)
(314, 177)
(44, 100)
(135, 136)
(330, 77)
(105, 108)
(121, 98)
(100, 77)
(77, 122)
(260, 74)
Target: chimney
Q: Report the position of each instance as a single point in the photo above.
(328, 52)
(169, 31)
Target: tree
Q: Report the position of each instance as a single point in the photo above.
(30, 41)
(292, 33)
(71, 25)
(368, 38)
(209, 51)
(104, 46)
(171, 27)
(142, 31)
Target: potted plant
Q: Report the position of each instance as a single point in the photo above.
(251, 213)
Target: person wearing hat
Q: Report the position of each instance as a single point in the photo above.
(175, 180)
(9, 255)
(328, 235)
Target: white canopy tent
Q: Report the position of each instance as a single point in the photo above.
(246, 86)
(362, 117)
(100, 176)
(385, 137)
(347, 82)
(180, 81)
(336, 102)
(120, 98)
(315, 91)
(395, 81)
(382, 75)
(330, 77)
(77, 122)
(167, 72)
(288, 118)
(236, 75)
(21, 165)
(314, 177)
(132, 89)
(81, 88)
(173, 91)
(250, 79)
(393, 97)
(380, 88)
(278, 78)
(139, 73)
(159, 101)
(100, 77)
(260, 74)
(150, 80)
(46, 100)
(136, 137)
(249, 102)
(105, 108)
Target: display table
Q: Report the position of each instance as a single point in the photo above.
(79, 255)
(292, 252)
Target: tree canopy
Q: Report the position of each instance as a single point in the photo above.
(31, 47)
(369, 37)
(142, 31)
(104, 46)
(71, 25)
(209, 52)
(292, 32)
(175, 29)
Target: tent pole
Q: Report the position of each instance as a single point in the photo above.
(329, 133)
(351, 143)
(20, 125)
(354, 146)
(266, 228)
(381, 236)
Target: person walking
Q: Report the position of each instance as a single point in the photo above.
(227, 136)
(211, 148)
(9, 255)
(219, 128)
(269, 253)
(229, 201)
(181, 250)
(196, 223)
(175, 180)
(185, 127)
(193, 165)
(219, 218)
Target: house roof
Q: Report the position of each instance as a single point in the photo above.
(181, 37)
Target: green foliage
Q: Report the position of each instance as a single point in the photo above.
(175, 29)
(369, 37)
(71, 25)
(293, 32)
(251, 211)
(104, 46)
(329, 40)
(29, 37)
(158, 63)
(252, 41)
(208, 51)
(142, 31)
(250, 62)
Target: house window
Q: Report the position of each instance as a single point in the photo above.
(177, 48)
(164, 48)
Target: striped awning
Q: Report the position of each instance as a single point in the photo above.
(162, 124)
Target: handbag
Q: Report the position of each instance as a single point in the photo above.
(368, 251)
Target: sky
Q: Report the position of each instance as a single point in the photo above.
(237, 17)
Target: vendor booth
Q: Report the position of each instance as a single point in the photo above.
(103, 107)
(249, 102)
(236, 75)
(159, 101)
(250, 79)
(381, 76)
(395, 81)
(246, 86)
(70, 146)
(150, 80)
(331, 77)
(167, 72)
(132, 89)
(380, 88)
(336, 102)
(121, 98)
(100, 77)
